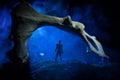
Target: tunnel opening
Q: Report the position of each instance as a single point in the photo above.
(41, 46)
(42, 43)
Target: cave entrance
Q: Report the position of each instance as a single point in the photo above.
(41, 45)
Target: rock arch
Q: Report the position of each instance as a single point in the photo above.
(25, 20)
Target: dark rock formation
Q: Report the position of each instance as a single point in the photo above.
(25, 20)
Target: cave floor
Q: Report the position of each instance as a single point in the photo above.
(48, 70)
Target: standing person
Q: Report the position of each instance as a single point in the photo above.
(59, 51)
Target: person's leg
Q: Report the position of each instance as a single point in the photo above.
(56, 57)
(60, 57)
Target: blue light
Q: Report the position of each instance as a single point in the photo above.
(5, 25)
(45, 39)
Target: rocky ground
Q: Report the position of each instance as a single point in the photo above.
(69, 70)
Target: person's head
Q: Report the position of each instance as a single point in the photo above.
(59, 41)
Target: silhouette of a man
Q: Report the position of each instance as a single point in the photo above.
(59, 51)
